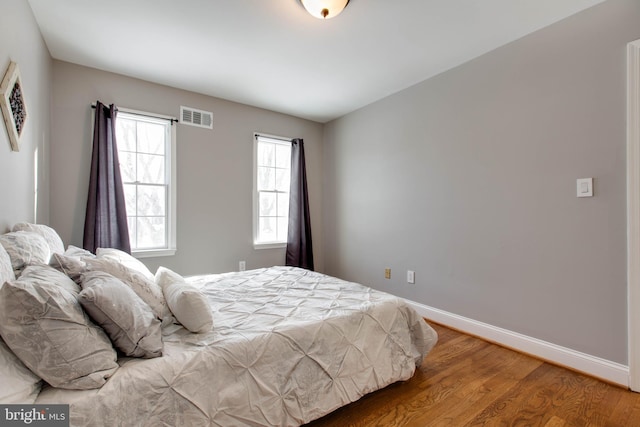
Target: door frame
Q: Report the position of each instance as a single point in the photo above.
(633, 212)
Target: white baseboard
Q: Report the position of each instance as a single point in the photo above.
(597, 367)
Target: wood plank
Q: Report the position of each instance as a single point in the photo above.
(466, 381)
(488, 385)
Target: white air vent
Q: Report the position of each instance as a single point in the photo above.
(194, 117)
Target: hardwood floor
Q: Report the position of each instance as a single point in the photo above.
(466, 381)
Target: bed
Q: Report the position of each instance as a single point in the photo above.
(286, 347)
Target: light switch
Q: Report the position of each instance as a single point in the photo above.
(411, 276)
(584, 187)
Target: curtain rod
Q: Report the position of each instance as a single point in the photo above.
(171, 119)
(279, 138)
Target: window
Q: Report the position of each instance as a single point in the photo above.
(272, 175)
(146, 150)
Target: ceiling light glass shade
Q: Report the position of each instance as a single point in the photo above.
(324, 9)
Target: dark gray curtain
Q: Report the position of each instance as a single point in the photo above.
(105, 223)
(299, 247)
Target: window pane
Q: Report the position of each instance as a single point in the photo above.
(283, 178)
(150, 169)
(151, 232)
(130, 199)
(267, 230)
(283, 224)
(125, 134)
(266, 154)
(267, 204)
(151, 200)
(131, 222)
(283, 204)
(266, 178)
(283, 156)
(127, 166)
(151, 138)
(273, 176)
(144, 150)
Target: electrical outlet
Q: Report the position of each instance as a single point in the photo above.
(242, 266)
(411, 276)
(387, 273)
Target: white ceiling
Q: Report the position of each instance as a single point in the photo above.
(273, 54)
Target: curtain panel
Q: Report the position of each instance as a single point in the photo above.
(105, 223)
(299, 246)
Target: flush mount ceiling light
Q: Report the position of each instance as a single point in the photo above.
(324, 9)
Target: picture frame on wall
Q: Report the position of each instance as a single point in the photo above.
(12, 104)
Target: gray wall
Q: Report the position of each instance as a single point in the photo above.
(469, 178)
(214, 167)
(20, 41)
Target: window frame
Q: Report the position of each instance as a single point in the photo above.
(256, 194)
(170, 177)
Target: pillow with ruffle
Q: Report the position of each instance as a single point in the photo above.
(49, 234)
(25, 248)
(75, 251)
(125, 259)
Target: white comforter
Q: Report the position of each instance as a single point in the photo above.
(288, 346)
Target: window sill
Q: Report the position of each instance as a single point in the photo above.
(152, 253)
(269, 245)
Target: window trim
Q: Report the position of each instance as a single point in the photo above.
(171, 247)
(256, 205)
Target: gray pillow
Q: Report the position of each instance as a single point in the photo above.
(146, 289)
(48, 274)
(127, 319)
(48, 331)
(72, 266)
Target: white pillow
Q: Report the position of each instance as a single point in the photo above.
(189, 306)
(143, 287)
(129, 321)
(75, 251)
(17, 383)
(49, 234)
(124, 259)
(25, 248)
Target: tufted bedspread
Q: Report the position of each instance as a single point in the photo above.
(287, 346)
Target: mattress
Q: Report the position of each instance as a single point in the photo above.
(287, 347)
